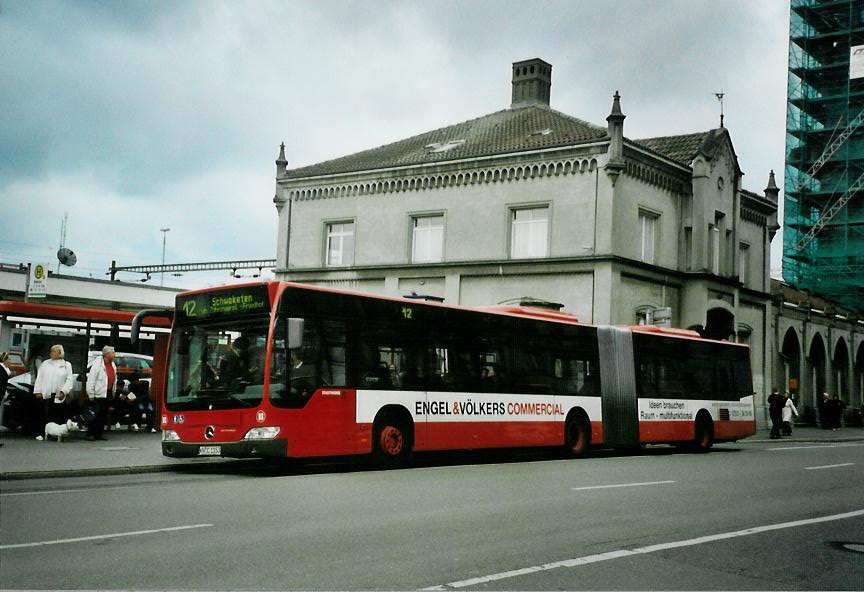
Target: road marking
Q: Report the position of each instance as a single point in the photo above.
(828, 466)
(576, 562)
(621, 485)
(64, 490)
(103, 536)
(819, 446)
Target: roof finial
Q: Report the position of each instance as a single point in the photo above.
(615, 151)
(616, 108)
(772, 192)
(281, 162)
(720, 96)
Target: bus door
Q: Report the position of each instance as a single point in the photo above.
(322, 418)
(618, 387)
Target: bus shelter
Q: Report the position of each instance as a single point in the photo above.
(31, 328)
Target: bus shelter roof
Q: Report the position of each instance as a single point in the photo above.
(74, 313)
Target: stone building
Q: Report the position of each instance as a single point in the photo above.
(819, 348)
(528, 202)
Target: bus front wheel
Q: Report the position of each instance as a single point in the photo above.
(577, 436)
(393, 442)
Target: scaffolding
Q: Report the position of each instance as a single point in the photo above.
(823, 237)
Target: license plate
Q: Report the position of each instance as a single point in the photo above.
(209, 451)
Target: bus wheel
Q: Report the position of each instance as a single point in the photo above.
(577, 436)
(704, 433)
(392, 442)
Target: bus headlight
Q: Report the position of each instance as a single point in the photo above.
(170, 436)
(266, 433)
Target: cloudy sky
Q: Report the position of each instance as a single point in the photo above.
(135, 116)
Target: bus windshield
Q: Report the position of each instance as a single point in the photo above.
(217, 364)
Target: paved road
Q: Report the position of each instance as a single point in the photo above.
(646, 521)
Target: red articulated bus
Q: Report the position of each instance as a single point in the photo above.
(279, 369)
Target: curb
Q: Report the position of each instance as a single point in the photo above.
(801, 440)
(235, 464)
(128, 470)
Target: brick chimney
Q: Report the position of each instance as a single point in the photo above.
(532, 80)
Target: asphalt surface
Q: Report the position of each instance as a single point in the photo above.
(128, 452)
(790, 515)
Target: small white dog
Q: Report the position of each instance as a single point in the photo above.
(59, 430)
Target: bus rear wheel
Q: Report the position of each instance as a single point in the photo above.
(577, 436)
(392, 443)
(703, 433)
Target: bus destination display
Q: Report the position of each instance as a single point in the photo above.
(236, 301)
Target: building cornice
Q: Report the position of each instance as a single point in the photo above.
(497, 173)
(630, 267)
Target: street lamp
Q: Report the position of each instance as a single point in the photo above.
(164, 232)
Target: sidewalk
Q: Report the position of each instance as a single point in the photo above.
(141, 452)
(23, 457)
(811, 434)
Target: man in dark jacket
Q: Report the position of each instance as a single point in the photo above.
(776, 402)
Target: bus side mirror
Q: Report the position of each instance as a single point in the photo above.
(295, 333)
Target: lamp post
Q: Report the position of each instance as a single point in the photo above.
(164, 232)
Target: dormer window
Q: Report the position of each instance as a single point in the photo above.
(443, 146)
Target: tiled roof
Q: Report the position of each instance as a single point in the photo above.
(683, 149)
(511, 130)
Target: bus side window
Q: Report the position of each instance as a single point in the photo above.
(386, 357)
(331, 354)
(699, 371)
(647, 379)
(726, 379)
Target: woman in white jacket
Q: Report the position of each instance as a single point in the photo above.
(788, 409)
(101, 382)
(53, 383)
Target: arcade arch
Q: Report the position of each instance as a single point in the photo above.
(790, 354)
(840, 374)
(816, 371)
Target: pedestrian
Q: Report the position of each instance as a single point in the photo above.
(53, 383)
(776, 402)
(788, 410)
(119, 406)
(5, 373)
(101, 382)
(142, 407)
(837, 407)
(824, 407)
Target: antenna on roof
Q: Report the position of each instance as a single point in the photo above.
(720, 96)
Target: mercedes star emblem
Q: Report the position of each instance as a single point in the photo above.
(209, 431)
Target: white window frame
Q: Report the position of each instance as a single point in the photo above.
(423, 238)
(714, 248)
(648, 224)
(536, 231)
(334, 232)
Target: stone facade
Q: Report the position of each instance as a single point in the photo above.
(617, 230)
(819, 347)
